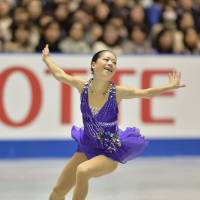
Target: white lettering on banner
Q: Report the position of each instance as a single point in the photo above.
(50, 115)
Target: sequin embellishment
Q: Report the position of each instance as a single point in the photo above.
(107, 140)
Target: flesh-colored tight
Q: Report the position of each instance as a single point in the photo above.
(77, 172)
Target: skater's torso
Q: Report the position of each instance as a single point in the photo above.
(100, 124)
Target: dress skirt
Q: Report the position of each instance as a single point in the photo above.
(132, 144)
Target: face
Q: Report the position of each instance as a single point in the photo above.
(21, 16)
(35, 9)
(111, 35)
(52, 33)
(76, 32)
(138, 36)
(61, 13)
(22, 35)
(105, 66)
(120, 3)
(186, 4)
(187, 21)
(44, 20)
(102, 11)
(166, 40)
(137, 14)
(83, 17)
(191, 38)
(96, 31)
(4, 8)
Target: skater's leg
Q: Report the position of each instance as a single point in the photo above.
(67, 178)
(97, 166)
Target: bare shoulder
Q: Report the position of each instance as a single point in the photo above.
(79, 82)
(119, 90)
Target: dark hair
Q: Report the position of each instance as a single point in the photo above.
(97, 55)
(141, 27)
(25, 27)
(156, 42)
(188, 46)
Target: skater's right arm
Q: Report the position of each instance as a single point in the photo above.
(59, 74)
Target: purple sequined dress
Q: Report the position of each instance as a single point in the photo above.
(101, 135)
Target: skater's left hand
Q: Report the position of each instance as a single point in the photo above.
(175, 80)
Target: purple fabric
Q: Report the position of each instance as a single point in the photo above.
(100, 134)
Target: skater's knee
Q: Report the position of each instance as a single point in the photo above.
(82, 172)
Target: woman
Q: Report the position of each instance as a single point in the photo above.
(101, 144)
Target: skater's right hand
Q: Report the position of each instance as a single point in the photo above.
(45, 51)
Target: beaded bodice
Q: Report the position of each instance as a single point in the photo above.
(102, 124)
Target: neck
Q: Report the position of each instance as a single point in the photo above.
(99, 87)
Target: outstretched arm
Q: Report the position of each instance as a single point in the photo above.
(59, 74)
(128, 93)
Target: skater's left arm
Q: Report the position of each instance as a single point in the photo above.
(124, 92)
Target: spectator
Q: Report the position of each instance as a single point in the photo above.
(50, 35)
(110, 40)
(101, 13)
(94, 34)
(20, 40)
(45, 19)
(88, 5)
(136, 17)
(138, 42)
(167, 20)
(61, 14)
(190, 6)
(83, 17)
(20, 16)
(119, 25)
(104, 23)
(75, 43)
(34, 8)
(169, 17)
(185, 21)
(154, 13)
(119, 9)
(5, 21)
(164, 42)
(191, 41)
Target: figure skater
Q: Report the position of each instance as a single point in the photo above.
(101, 144)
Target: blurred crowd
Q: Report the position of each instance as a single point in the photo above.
(87, 26)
